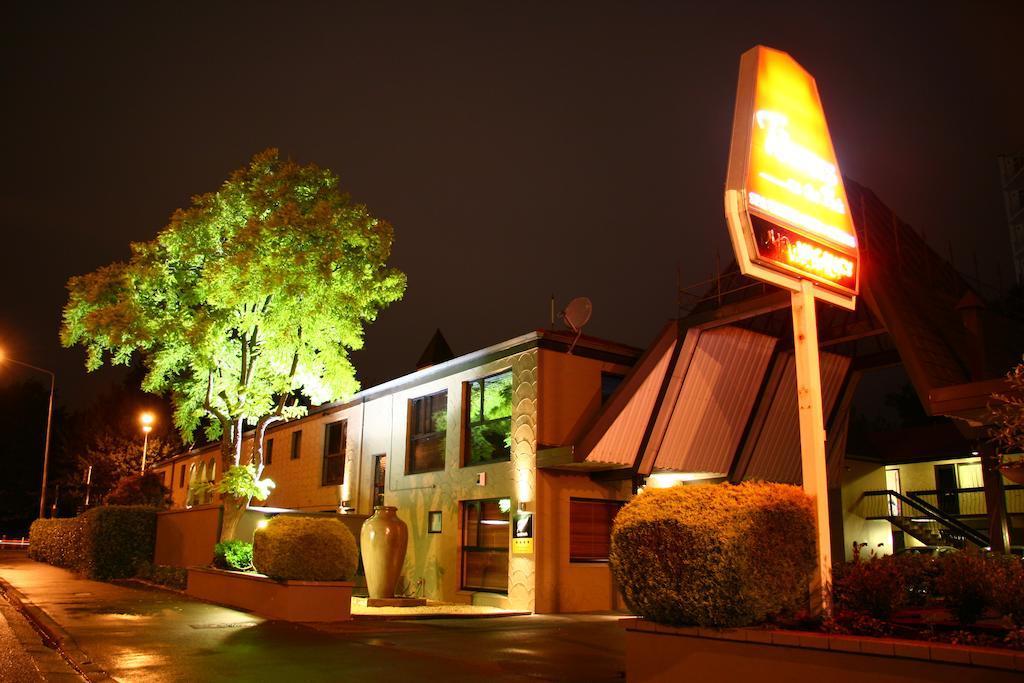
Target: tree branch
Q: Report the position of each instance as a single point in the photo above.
(208, 405)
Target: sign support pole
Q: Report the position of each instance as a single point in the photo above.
(812, 437)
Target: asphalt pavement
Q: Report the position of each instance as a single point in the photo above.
(135, 633)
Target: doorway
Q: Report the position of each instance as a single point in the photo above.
(946, 487)
(892, 482)
(380, 478)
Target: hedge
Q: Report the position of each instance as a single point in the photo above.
(107, 542)
(56, 541)
(715, 555)
(305, 549)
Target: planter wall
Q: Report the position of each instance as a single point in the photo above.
(284, 600)
(656, 653)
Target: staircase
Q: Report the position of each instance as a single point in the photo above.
(920, 519)
(922, 531)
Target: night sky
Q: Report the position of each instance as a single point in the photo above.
(520, 149)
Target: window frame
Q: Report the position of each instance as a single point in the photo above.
(296, 441)
(343, 426)
(608, 502)
(410, 437)
(268, 452)
(467, 419)
(464, 507)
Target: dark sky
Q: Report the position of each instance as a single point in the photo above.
(520, 149)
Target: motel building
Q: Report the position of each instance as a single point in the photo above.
(509, 463)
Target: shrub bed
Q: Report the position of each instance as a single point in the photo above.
(715, 555)
(305, 549)
(56, 541)
(106, 542)
(233, 554)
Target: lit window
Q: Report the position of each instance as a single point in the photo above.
(334, 454)
(428, 422)
(485, 545)
(489, 419)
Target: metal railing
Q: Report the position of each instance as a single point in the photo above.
(891, 505)
(970, 501)
(13, 543)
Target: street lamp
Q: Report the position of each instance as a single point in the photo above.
(147, 426)
(49, 420)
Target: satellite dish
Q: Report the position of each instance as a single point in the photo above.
(576, 315)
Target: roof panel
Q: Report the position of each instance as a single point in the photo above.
(714, 404)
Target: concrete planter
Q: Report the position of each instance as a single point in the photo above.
(656, 653)
(284, 600)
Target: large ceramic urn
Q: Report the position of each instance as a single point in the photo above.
(383, 540)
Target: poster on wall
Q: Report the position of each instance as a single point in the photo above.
(522, 533)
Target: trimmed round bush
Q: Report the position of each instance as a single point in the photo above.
(305, 549)
(715, 555)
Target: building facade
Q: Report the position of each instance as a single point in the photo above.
(454, 447)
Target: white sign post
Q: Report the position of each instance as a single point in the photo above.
(790, 225)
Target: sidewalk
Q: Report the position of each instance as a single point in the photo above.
(139, 634)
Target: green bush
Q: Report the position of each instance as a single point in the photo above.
(1007, 586)
(305, 549)
(107, 542)
(171, 577)
(140, 489)
(965, 584)
(234, 554)
(116, 538)
(57, 542)
(880, 586)
(715, 555)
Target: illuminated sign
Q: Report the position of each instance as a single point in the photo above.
(789, 218)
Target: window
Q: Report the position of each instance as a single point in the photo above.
(428, 421)
(434, 522)
(268, 452)
(609, 383)
(181, 477)
(485, 545)
(590, 528)
(334, 453)
(296, 444)
(489, 419)
(380, 478)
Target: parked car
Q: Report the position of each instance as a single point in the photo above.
(929, 550)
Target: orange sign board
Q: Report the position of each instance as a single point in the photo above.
(789, 218)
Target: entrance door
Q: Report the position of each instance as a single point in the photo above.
(892, 482)
(945, 484)
(380, 478)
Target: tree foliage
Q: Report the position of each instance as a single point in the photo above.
(247, 300)
(1008, 413)
(254, 292)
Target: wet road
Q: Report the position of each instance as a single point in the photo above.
(139, 634)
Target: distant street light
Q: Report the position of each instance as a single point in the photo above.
(147, 426)
(49, 420)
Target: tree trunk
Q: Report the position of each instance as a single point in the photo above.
(234, 506)
(234, 509)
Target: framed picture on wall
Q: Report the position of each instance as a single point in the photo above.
(434, 522)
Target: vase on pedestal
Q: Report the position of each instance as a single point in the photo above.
(383, 540)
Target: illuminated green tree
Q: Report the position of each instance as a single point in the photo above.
(249, 298)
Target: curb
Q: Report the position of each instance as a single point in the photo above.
(54, 635)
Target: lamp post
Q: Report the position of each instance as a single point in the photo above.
(49, 421)
(147, 426)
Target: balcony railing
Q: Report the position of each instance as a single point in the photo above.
(969, 502)
(925, 521)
